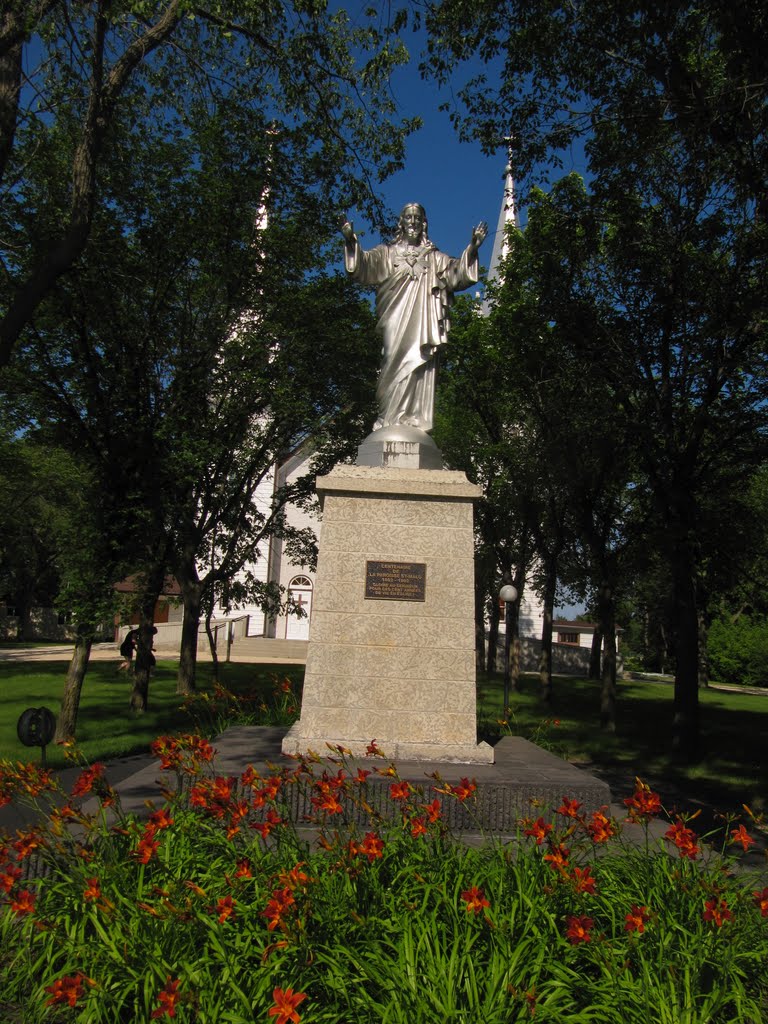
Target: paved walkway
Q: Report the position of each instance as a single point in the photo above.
(110, 652)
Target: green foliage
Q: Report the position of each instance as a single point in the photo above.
(661, 290)
(56, 547)
(218, 909)
(210, 713)
(738, 650)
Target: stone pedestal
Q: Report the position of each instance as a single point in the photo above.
(391, 648)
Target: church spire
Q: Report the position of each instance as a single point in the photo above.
(507, 217)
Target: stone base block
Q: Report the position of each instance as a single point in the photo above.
(442, 753)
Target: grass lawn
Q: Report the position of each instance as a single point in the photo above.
(734, 729)
(106, 727)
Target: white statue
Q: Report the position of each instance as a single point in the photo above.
(414, 285)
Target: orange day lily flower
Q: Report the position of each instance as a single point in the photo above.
(225, 908)
(740, 835)
(68, 989)
(538, 830)
(286, 1001)
(636, 919)
(761, 901)
(569, 808)
(600, 827)
(718, 912)
(24, 902)
(644, 804)
(92, 890)
(400, 790)
(583, 882)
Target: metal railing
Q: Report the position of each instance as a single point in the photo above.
(230, 625)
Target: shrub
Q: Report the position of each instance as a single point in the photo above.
(212, 712)
(738, 651)
(217, 907)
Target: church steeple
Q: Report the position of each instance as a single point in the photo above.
(507, 217)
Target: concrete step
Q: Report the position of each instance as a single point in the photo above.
(262, 648)
(524, 781)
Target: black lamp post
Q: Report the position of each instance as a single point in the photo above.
(507, 594)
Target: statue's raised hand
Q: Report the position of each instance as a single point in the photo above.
(479, 235)
(347, 228)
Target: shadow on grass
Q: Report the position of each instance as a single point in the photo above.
(733, 765)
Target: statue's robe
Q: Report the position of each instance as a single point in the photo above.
(414, 289)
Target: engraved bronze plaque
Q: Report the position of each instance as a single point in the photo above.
(395, 581)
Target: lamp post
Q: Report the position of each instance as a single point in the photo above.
(507, 594)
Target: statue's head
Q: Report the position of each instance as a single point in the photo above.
(412, 224)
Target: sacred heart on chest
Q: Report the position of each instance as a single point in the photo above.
(412, 262)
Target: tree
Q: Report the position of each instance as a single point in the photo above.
(671, 104)
(89, 64)
(163, 356)
(477, 427)
(55, 511)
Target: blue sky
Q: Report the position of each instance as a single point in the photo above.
(456, 182)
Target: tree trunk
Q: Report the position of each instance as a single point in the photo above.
(703, 652)
(10, 84)
(515, 648)
(66, 727)
(545, 660)
(606, 611)
(685, 725)
(493, 636)
(212, 641)
(191, 593)
(596, 654)
(60, 256)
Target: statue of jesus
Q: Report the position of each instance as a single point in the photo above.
(414, 285)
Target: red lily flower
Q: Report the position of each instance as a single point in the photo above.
(643, 804)
(92, 891)
(569, 808)
(717, 911)
(579, 929)
(538, 830)
(761, 901)
(740, 835)
(68, 989)
(475, 900)
(636, 919)
(600, 827)
(168, 998)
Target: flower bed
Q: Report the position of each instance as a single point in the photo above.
(215, 907)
